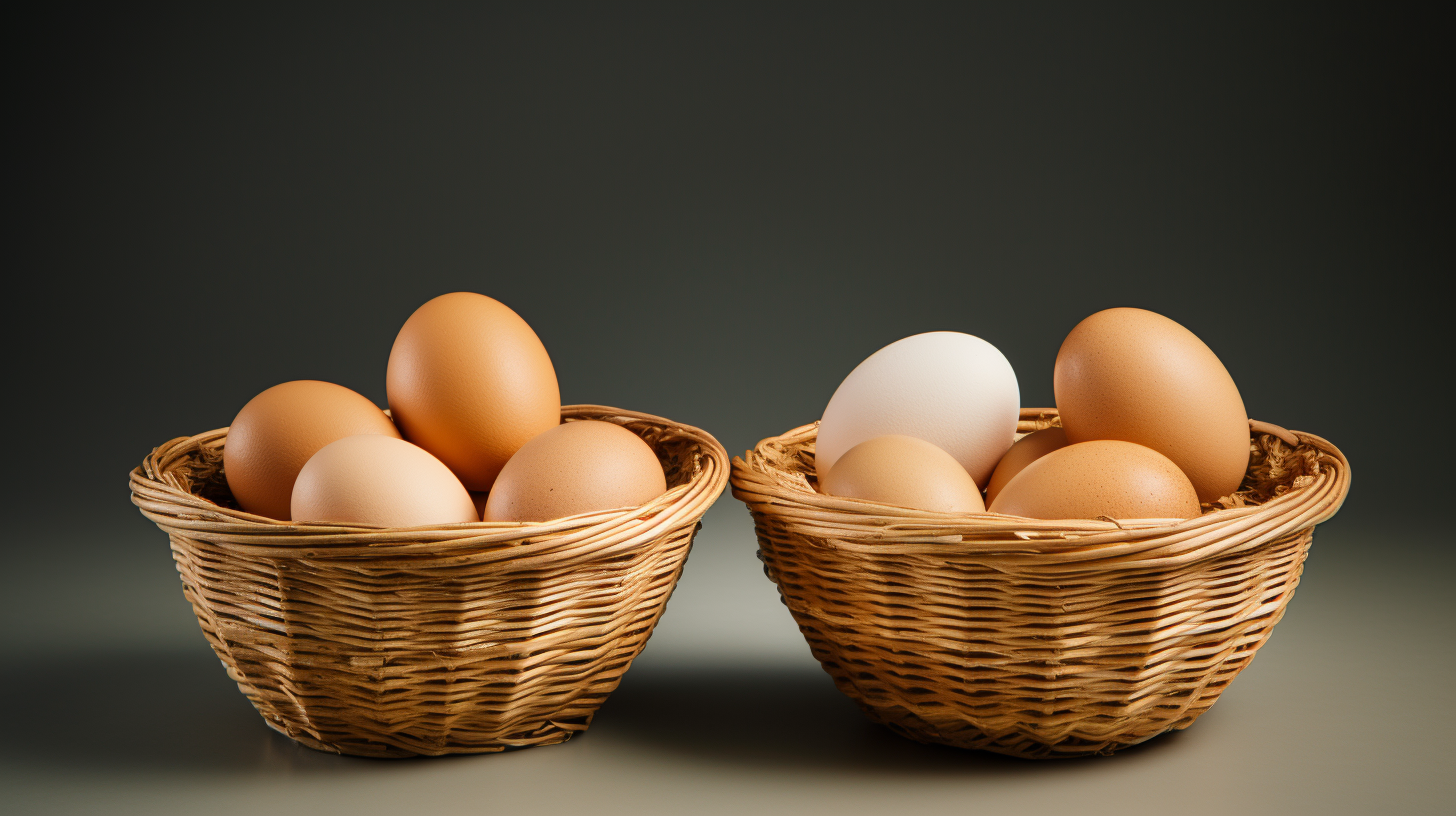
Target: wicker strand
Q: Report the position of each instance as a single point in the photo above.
(1037, 638)
(459, 638)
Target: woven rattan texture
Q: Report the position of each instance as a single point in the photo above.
(1037, 638)
(431, 640)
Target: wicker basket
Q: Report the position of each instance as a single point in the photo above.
(1037, 638)
(460, 638)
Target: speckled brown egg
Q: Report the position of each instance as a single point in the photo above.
(471, 383)
(1111, 478)
(379, 480)
(1027, 449)
(281, 429)
(1137, 376)
(906, 472)
(577, 467)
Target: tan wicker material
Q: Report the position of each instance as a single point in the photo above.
(429, 640)
(1037, 638)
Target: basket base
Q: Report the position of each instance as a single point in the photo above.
(1016, 745)
(551, 734)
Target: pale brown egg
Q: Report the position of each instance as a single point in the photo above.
(1111, 478)
(576, 467)
(471, 383)
(1137, 376)
(906, 472)
(280, 429)
(379, 480)
(1027, 449)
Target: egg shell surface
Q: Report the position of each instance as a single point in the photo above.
(1027, 449)
(576, 467)
(379, 480)
(954, 390)
(279, 430)
(471, 383)
(1111, 478)
(906, 472)
(1137, 376)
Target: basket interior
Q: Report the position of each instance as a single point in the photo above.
(1275, 466)
(202, 474)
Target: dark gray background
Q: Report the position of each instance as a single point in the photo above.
(713, 213)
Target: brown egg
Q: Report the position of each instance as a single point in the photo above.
(1027, 449)
(1120, 480)
(470, 382)
(576, 467)
(379, 480)
(906, 472)
(1137, 376)
(280, 429)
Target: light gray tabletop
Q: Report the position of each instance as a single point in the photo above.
(116, 705)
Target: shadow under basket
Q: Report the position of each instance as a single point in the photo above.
(460, 638)
(1037, 638)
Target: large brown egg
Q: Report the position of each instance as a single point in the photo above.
(1027, 449)
(379, 480)
(470, 382)
(1137, 376)
(576, 467)
(1119, 480)
(906, 472)
(281, 429)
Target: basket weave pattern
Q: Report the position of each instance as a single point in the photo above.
(1037, 638)
(458, 638)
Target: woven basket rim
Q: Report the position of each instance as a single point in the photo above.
(854, 524)
(178, 510)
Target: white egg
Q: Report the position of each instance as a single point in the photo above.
(953, 390)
